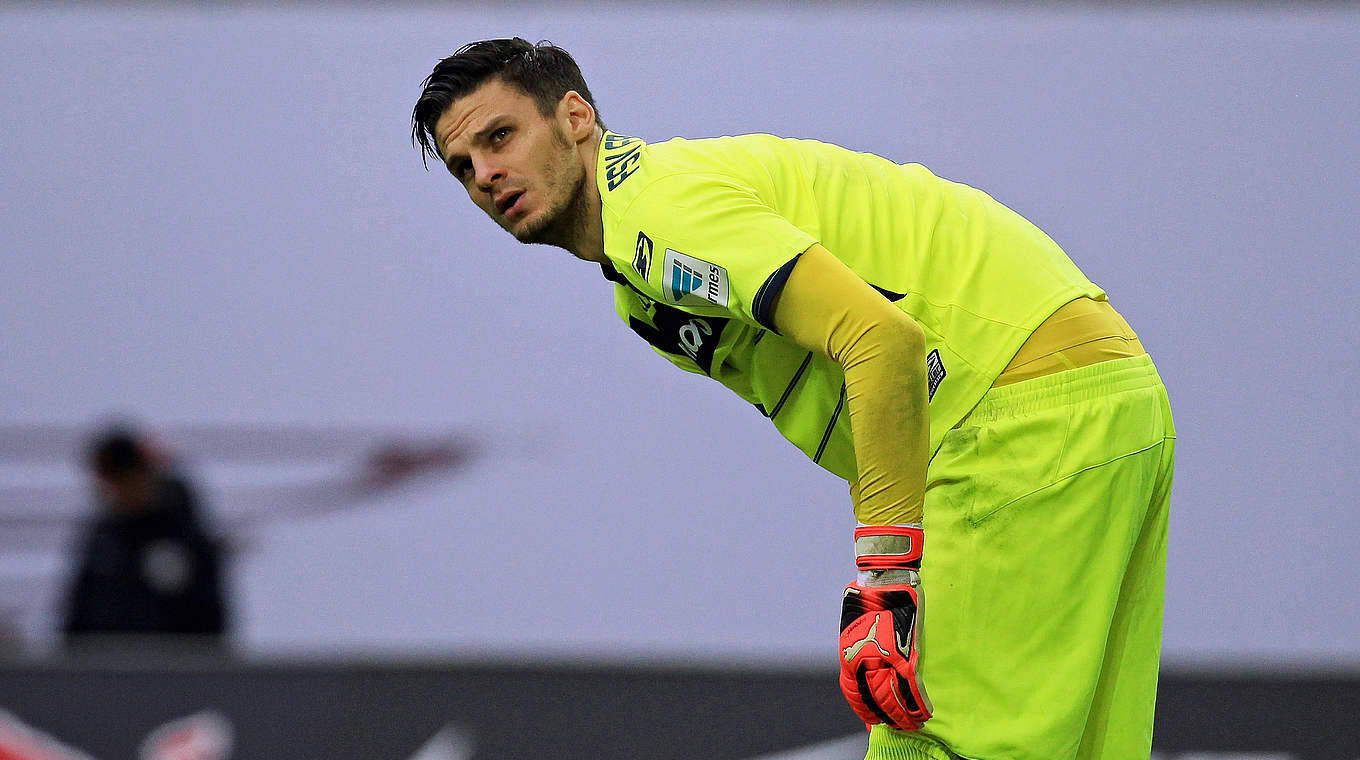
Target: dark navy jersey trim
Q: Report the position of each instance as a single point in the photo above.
(830, 425)
(613, 275)
(888, 294)
(769, 290)
(610, 273)
(789, 389)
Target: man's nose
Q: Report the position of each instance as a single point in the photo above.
(487, 173)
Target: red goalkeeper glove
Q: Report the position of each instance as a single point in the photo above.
(880, 616)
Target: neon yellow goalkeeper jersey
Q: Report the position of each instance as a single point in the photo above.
(700, 236)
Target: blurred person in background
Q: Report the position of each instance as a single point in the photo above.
(147, 565)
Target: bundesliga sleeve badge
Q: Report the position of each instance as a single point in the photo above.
(687, 281)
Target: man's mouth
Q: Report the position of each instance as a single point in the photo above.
(506, 203)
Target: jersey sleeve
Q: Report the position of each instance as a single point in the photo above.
(714, 246)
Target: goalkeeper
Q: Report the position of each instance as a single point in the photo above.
(1007, 440)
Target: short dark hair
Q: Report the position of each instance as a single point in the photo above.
(116, 452)
(542, 71)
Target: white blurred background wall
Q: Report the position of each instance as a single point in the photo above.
(211, 217)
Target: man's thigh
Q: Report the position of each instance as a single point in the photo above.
(1032, 516)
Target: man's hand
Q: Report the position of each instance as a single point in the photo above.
(880, 614)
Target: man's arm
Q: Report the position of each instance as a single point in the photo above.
(827, 308)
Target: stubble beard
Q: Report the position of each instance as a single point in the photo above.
(560, 222)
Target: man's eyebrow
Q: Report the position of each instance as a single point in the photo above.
(478, 137)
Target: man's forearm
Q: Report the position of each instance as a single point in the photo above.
(827, 308)
(885, 386)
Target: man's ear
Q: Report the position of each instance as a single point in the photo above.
(577, 115)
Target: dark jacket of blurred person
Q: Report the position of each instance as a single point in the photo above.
(147, 565)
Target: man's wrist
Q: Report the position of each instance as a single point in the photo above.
(888, 555)
(888, 547)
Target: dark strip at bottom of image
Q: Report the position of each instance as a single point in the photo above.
(106, 708)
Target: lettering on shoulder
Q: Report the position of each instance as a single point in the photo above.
(621, 157)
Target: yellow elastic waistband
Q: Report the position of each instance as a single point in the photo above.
(1081, 333)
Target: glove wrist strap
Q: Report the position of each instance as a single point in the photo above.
(888, 547)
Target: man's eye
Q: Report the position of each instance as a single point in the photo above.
(500, 134)
(461, 169)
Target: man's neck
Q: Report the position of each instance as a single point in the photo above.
(588, 242)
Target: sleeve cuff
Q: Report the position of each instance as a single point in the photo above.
(769, 290)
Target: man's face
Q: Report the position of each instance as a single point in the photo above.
(516, 164)
(128, 493)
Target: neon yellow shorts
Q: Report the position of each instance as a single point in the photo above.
(1044, 568)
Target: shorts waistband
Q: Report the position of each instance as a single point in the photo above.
(1066, 387)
